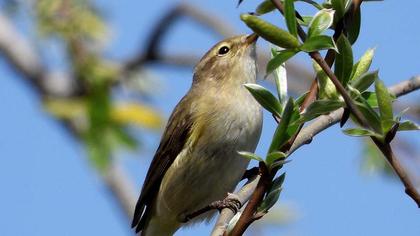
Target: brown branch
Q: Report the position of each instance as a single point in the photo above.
(410, 189)
(226, 215)
(340, 89)
(305, 136)
(212, 23)
(325, 121)
(329, 59)
(247, 217)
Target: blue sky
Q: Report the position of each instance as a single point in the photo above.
(48, 187)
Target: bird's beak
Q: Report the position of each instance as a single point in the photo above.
(252, 38)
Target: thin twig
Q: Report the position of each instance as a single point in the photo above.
(340, 89)
(151, 52)
(319, 125)
(410, 189)
(325, 121)
(159, 31)
(246, 218)
(304, 137)
(121, 188)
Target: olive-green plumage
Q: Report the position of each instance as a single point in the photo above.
(197, 162)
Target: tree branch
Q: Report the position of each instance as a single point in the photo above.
(159, 31)
(151, 53)
(325, 121)
(121, 188)
(305, 136)
(226, 214)
(21, 56)
(246, 218)
(384, 146)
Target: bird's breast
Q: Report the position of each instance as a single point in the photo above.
(209, 165)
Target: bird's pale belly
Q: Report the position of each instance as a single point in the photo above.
(199, 178)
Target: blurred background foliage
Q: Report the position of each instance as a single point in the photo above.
(93, 112)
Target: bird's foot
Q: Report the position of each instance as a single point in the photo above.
(231, 202)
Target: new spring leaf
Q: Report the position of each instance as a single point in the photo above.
(270, 32)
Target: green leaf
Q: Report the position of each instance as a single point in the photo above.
(250, 156)
(279, 163)
(290, 15)
(269, 201)
(408, 125)
(320, 22)
(371, 116)
(343, 60)
(385, 105)
(364, 81)
(274, 156)
(353, 27)
(280, 135)
(397, 118)
(374, 162)
(279, 59)
(305, 21)
(360, 132)
(280, 78)
(273, 194)
(301, 98)
(293, 126)
(265, 7)
(372, 100)
(363, 65)
(265, 98)
(326, 87)
(339, 7)
(320, 107)
(354, 93)
(123, 137)
(270, 32)
(278, 182)
(317, 43)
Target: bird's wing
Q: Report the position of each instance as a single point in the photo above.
(172, 142)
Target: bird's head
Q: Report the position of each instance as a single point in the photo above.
(230, 61)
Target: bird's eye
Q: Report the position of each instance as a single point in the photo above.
(223, 50)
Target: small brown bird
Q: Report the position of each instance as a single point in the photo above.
(197, 161)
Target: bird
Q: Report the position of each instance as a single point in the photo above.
(197, 161)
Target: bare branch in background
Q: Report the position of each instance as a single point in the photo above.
(151, 53)
(21, 55)
(121, 188)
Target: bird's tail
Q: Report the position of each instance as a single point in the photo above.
(159, 227)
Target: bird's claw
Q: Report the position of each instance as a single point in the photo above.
(231, 202)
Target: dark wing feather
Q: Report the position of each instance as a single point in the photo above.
(173, 140)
